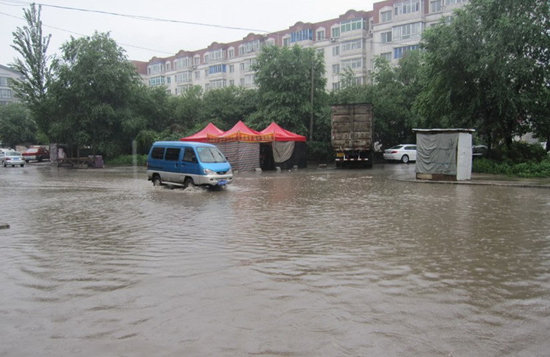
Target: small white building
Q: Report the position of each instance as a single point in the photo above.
(444, 154)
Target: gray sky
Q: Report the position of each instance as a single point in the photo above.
(143, 39)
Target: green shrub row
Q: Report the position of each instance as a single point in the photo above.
(524, 169)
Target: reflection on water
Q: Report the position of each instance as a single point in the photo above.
(306, 263)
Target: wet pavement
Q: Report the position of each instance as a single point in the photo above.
(317, 262)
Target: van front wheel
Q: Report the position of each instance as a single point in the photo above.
(188, 181)
(156, 181)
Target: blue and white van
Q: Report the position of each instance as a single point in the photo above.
(182, 163)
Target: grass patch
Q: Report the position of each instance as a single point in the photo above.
(128, 160)
(525, 169)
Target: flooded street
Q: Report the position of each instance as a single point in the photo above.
(317, 262)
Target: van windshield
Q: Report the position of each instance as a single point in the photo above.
(210, 155)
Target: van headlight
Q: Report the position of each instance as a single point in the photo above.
(209, 172)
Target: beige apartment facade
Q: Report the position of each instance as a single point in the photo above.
(7, 95)
(350, 42)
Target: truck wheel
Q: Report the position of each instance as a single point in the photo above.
(405, 159)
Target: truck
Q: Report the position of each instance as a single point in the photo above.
(352, 127)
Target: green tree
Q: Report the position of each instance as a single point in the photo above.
(226, 106)
(487, 68)
(91, 93)
(16, 125)
(30, 43)
(285, 77)
(394, 94)
(188, 109)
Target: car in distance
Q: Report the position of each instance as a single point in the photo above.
(401, 152)
(37, 153)
(12, 158)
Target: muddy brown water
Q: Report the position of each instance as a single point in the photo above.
(317, 262)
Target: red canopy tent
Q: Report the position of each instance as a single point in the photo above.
(203, 135)
(241, 133)
(281, 134)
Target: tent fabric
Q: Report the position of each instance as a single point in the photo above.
(436, 154)
(241, 133)
(283, 150)
(241, 156)
(202, 136)
(281, 134)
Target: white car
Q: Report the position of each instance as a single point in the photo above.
(401, 152)
(12, 158)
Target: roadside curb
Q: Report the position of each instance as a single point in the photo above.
(482, 183)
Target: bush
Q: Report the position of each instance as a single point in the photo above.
(320, 151)
(128, 160)
(519, 152)
(524, 169)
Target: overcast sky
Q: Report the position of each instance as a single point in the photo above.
(144, 39)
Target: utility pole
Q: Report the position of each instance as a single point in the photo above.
(311, 114)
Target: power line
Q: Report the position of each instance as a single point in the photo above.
(80, 34)
(146, 18)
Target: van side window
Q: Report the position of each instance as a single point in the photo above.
(157, 153)
(189, 155)
(172, 154)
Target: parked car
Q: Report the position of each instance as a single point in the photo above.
(37, 153)
(479, 150)
(401, 152)
(12, 158)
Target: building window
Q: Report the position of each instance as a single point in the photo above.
(231, 68)
(336, 50)
(453, 2)
(181, 63)
(214, 56)
(386, 56)
(286, 41)
(354, 63)
(335, 68)
(335, 32)
(4, 81)
(231, 82)
(167, 66)
(386, 37)
(352, 45)
(156, 81)
(406, 7)
(220, 83)
(249, 47)
(320, 35)
(5, 93)
(335, 85)
(153, 69)
(197, 74)
(385, 16)
(197, 60)
(435, 6)
(401, 51)
(231, 53)
(407, 31)
(246, 66)
(303, 35)
(352, 25)
(183, 77)
(321, 52)
(219, 68)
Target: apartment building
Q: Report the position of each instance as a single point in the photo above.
(351, 41)
(6, 93)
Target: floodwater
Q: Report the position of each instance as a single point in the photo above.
(318, 262)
